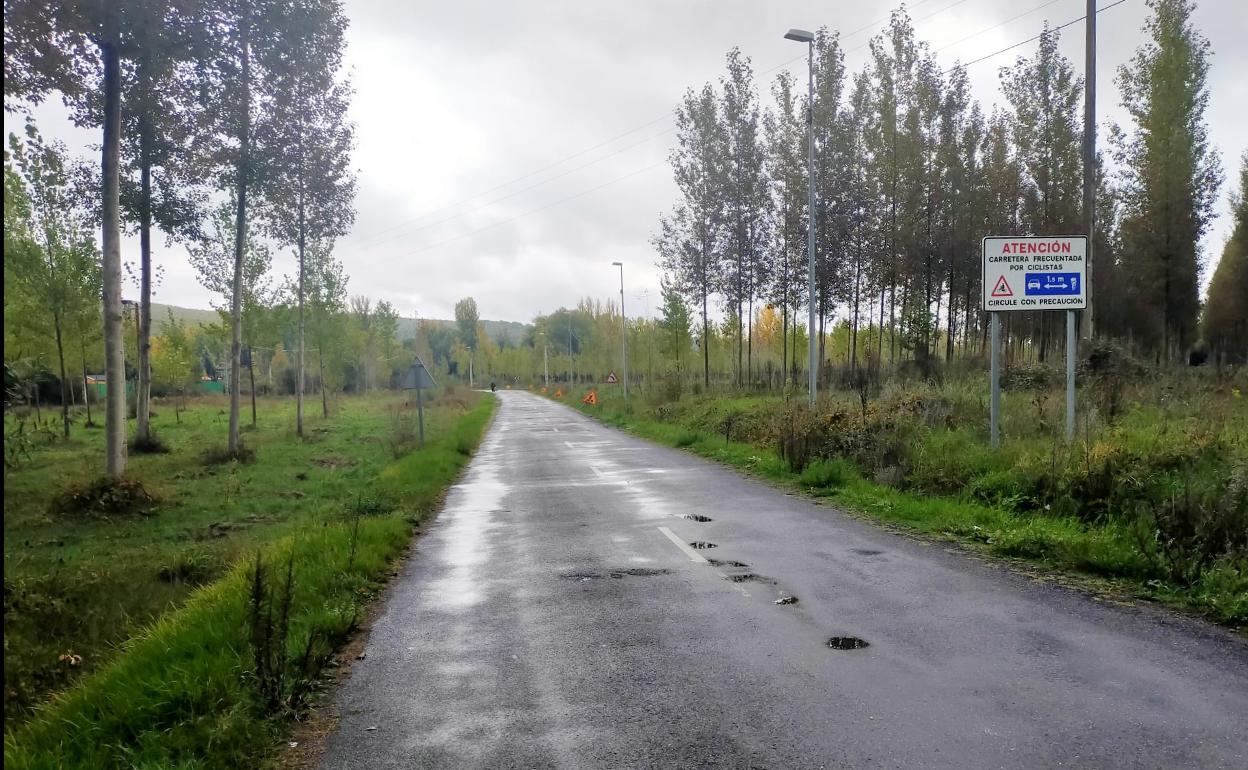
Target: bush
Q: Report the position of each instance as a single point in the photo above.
(827, 474)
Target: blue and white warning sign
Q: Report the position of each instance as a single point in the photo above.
(1035, 273)
(1052, 284)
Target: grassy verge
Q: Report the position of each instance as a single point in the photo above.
(187, 688)
(944, 483)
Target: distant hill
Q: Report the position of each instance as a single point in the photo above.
(497, 330)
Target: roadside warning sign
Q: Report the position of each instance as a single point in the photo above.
(611, 378)
(558, 392)
(591, 398)
(1024, 272)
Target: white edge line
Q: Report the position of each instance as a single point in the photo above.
(684, 547)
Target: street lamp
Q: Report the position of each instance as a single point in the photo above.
(545, 360)
(623, 330)
(802, 36)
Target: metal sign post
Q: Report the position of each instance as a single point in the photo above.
(994, 378)
(418, 378)
(1034, 273)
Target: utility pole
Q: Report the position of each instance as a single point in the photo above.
(1089, 161)
(623, 331)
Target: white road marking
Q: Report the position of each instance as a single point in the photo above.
(683, 546)
(597, 472)
(556, 430)
(568, 444)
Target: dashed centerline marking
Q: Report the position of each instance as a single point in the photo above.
(692, 554)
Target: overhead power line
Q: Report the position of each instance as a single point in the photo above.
(995, 26)
(1099, 11)
(374, 237)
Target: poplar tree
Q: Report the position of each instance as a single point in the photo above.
(50, 259)
(745, 196)
(786, 164)
(73, 47)
(692, 237)
(1225, 320)
(309, 187)
(1171, 175)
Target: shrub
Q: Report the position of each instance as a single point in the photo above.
(827, 474)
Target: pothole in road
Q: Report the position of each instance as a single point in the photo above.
(867, 551)
(582, 577)
(727, 563)
(847, 643)
(749, 577)
(696, 517)
(701, 545)
(639, 572)
(786, 600)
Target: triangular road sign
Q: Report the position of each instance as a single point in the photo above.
(611, 378)
(1002, 289)
(591, 398)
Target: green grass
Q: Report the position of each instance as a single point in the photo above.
(163, 679)
(920, 460)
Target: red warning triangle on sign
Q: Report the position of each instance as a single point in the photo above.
(1002, 289)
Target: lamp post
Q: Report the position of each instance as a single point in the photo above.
(623, 330)
(545, 361)
(802, 36)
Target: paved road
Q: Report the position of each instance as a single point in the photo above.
(547, 620)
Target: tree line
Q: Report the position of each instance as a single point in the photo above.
(911, 172)
(197, 102)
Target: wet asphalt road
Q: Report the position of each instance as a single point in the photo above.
(546, 620)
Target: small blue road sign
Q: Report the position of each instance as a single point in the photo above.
(1051, 284)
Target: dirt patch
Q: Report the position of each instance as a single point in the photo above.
(866, 551)
(786, 600)
(697, 517)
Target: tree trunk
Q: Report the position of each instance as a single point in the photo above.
(240, 235)
(251, 374)
(66, 388)
(110, 237)
(300, 385)
(320, 357)
(143, 392)
(86, 395)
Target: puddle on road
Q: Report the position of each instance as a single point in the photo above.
(701, 545)
(866, 551)
(726, 563)
(786, 600)
(615, 573)
(847, 643)
(696, 517)
(749, 577)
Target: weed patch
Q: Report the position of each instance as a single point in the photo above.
(104, 498)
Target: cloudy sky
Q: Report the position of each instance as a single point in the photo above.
(511, 151)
